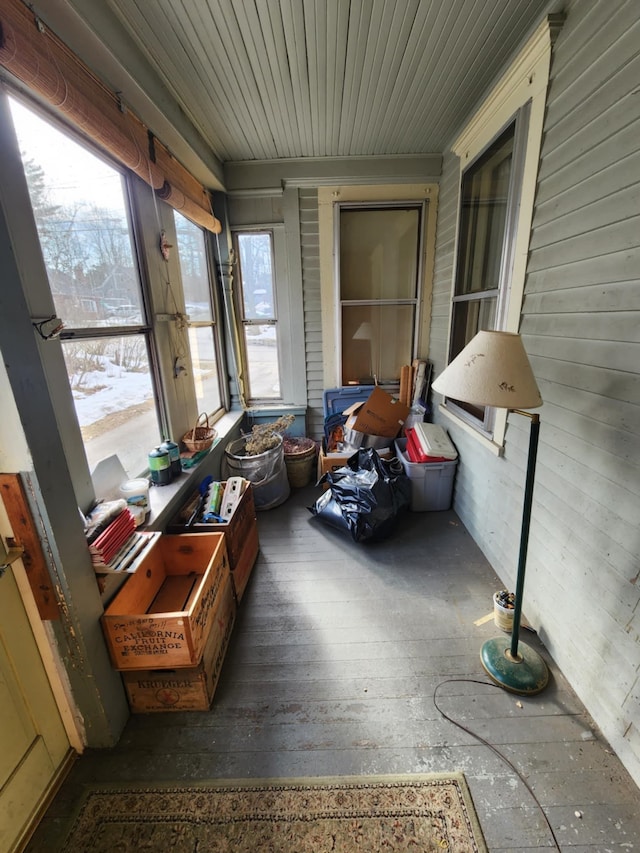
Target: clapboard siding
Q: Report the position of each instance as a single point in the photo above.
(309, 239)
(613, 267)
(621, 87)
(584, 248)
(581, 326)
(619, 295)
(443, 261)
(567, 171)
(615, 208)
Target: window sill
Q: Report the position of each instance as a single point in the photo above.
(272, 411)
(491, 445)
(165, 501)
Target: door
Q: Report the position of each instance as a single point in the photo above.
(33, 740)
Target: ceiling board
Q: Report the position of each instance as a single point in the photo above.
(273, 79)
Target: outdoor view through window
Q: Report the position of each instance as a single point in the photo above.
(259, 318)
(82, 220)
(192, 257)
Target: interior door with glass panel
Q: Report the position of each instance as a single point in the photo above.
(379, 274)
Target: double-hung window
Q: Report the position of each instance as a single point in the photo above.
(379, 273)
(203, 331)
(499, 153)
(258, 315)
(489, 201)
(104, 283)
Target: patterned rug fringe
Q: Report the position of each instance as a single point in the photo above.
(398, 814)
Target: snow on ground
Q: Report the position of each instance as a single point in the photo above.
(119, 389)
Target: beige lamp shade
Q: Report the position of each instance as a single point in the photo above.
(492, 370)
(364, 332)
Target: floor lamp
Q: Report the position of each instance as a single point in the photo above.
(493, 370)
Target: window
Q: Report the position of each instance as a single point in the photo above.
(489, 197)
(105, 271)
(202, 329)
(499, 152)
(379, 257)
(82, 217)
(258, 313)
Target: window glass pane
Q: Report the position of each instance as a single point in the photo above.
(192, 257)
(194, 271)
(469, 318)
(379, 253)
(205, 368)
(376, 342)
(259, 313)
(256, 275)
(483, 213)
(113, 396)
(261, 345)
(82, 221)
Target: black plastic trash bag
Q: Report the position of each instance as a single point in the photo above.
(364, 497)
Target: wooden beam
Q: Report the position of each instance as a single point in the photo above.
(26, 535)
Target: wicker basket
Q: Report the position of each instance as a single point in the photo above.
(201, 437)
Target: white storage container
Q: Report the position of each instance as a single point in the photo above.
(434, 441)
(431, 482)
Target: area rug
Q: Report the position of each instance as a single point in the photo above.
(364, 815)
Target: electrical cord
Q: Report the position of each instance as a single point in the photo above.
(490, 745)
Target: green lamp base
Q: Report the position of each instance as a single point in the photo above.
(528, 674)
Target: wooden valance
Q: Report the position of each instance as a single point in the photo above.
(42, 62)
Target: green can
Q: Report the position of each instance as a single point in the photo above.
(160, 467)
(174, 456)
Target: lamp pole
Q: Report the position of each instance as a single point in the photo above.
(526, 524)
(519, 668)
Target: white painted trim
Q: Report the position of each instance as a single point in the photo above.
(496, 449)
(526, 80)
(328, 198)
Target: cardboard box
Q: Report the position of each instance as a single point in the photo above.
(191, 689)
(381, 415)
(333, 461)
(161, 616)
(241, 534)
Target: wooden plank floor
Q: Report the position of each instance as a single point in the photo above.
(338, 652)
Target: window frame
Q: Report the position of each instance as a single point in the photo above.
(421, 206)
(520, 123)
(176, 409)
(373, 194)
(217, 318)
(523, 84)
(281, 296)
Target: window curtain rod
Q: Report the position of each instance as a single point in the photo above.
(34, 55)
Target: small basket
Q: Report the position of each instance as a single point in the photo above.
(201, 437)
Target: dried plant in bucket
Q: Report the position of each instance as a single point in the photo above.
(263, 437)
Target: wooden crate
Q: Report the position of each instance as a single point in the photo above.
(161, 616)
(242, 570)
(189, 689)
(241, 534)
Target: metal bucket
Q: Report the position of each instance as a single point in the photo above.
(265, 471)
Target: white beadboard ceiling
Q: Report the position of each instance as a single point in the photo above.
(270, 79)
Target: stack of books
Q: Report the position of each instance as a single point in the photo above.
(119, 548)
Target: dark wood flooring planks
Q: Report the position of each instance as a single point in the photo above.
(337, 656)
